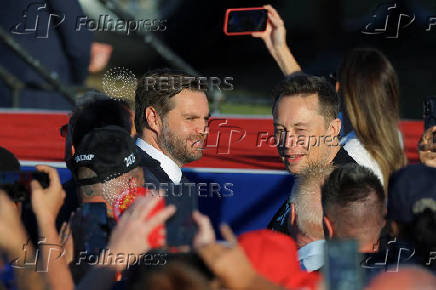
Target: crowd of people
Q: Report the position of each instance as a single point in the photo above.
(107, 228)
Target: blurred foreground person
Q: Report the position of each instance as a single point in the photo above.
(128, 239)
(306, 126)
(408, 278)
(257, 260)
(13, 239)
(368, 86)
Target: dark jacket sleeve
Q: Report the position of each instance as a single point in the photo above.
(77, 43)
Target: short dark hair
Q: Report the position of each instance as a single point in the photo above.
(348, 186)
(306, 85)
(150, 92)
(97, 114)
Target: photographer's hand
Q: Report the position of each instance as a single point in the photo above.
(46, 203)
(130, 234)
(205, 234)
(231, 265)
(12, 233)
(13, 238)
(275, 40)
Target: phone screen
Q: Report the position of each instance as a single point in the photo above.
(247, 20)
(95, 227)
(181, 228)
(342, 269)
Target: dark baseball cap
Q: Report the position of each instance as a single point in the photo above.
(411, 190)
(109, 152)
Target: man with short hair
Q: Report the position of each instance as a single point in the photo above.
(171, 119)
(306, 127)
(353, 202)
(105, 164)
(93, 110)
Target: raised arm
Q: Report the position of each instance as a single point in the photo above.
(46, 204)
(275, 40)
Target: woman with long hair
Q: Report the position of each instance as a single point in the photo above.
(369, 87)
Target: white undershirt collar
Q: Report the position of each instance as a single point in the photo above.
(167, 164)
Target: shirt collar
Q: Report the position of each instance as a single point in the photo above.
(311, 256)
(167, 164)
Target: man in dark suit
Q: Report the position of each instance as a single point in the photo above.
(171, 120)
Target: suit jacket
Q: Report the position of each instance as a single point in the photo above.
(180, 228)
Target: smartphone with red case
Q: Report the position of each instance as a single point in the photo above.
(244, 21)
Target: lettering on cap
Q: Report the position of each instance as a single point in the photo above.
(129, 160)
(87, 157)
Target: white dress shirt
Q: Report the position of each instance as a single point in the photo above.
(167, 164)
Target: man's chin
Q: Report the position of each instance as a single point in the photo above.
(294, 168)
(194, 156)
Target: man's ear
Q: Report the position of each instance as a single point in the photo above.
(328, 226)
(73, 150)
(337, 87)
(292, 216)
(335, 127)
(153, 119)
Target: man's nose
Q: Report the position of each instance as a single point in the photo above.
(202, 128)
(287, 140)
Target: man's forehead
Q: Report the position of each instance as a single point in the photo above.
(308, 100)
(290, 106)
(190, 101)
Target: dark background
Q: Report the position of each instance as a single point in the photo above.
(318, 33)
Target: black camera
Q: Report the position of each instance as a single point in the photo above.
(17, 183)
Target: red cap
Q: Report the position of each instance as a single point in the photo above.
(274, 256)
